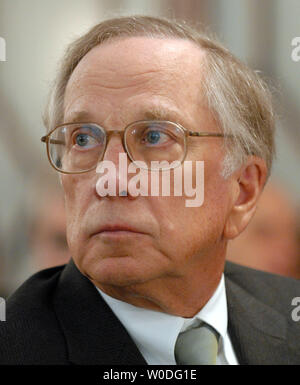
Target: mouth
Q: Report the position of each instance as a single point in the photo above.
(117, 231)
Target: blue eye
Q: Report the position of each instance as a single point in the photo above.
(87, 137)
(153, 137)
(82, 140)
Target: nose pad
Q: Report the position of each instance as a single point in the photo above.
(112, 170)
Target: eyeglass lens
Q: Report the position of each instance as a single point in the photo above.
(79, 147)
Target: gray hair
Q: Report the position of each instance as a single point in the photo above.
(236, 95)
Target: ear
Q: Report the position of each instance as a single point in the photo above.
(248, 183)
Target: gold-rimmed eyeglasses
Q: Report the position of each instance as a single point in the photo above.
(75, 148)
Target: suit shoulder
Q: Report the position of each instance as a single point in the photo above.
(34, 294)
(269, 288)
(31, 328)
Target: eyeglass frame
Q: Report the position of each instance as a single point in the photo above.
(186, 132)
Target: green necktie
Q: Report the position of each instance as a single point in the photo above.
(198, 346)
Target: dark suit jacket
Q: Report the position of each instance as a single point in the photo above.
(58, 317)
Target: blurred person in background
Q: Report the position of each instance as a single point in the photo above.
(271, 240)
(45, 219)
(3, 289)
(47, 237)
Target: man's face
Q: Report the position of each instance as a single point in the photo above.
(170, 248)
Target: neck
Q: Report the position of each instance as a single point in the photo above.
(182, 296)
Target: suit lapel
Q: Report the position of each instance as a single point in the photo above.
(258, 332)
(94, 336)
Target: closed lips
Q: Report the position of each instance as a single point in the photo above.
(116, 228)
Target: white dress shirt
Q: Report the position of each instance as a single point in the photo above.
(155, 333)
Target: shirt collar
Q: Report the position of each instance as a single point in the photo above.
(155, 333)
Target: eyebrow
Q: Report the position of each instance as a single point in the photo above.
(79, 116)
(152, 112)
(158, 112)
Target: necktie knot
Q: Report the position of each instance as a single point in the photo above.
(197, 346)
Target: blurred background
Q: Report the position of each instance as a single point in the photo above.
(32, 221)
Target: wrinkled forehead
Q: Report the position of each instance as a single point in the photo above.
(134, 56)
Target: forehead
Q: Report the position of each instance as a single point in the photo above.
(136, 70)
(134, 56)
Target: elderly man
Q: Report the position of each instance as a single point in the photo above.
(146, 283)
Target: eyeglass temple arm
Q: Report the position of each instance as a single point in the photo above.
(215, 134)
(46, 139)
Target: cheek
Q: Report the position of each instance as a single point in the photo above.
(216, 207)
(185, 230)
(216, 188)
(78, 190)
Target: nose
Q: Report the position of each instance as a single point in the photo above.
(114, 146)
(112, 169)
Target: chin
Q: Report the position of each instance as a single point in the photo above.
(117, 271)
